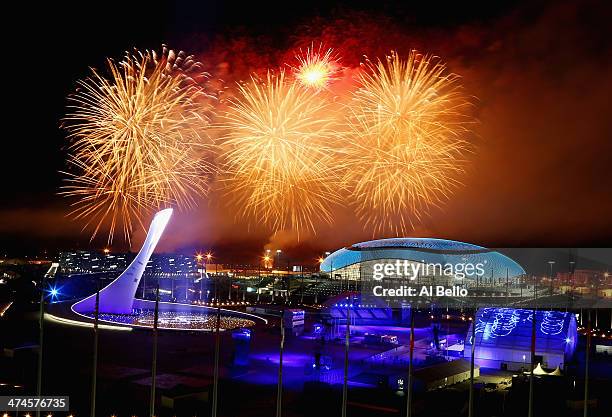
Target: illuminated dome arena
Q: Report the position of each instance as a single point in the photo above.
(353, 262)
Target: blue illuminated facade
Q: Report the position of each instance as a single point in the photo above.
(374, 311)
(503, 338)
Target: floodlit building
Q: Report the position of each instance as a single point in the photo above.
(444, 374)
(437, 376)
(504, 335)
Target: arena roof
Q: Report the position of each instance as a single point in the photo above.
(417, 243)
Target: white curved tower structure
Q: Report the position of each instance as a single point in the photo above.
(118, 296)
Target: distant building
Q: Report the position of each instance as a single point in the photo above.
(583, 278)
(437, 376)
(87, 262)
(444, 374)
(605, 293)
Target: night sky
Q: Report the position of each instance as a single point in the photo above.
(541, 73)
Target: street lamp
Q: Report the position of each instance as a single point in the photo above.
(316, 291)
(278, 254)
(199, 265)
(321, 259)
(266, 265)
(331, 266)
(569, 286)
(200, 258)
(209, 256)
(551, 263)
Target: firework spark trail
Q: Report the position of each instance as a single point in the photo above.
(408, 120)
(280, 154)
(316, 68)
(135, 140)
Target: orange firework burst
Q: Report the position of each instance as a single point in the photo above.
(135, 140)
(408, 120)
(179, 64)
(317, 68)
(279, 154)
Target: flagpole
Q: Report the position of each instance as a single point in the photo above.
(279, 389)
(586, 366)
(471, 399)
(41, 328)
(94, 372)
(217, 350)
(533, 348)
(409, 384)
(154, 362)
(346, 357)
